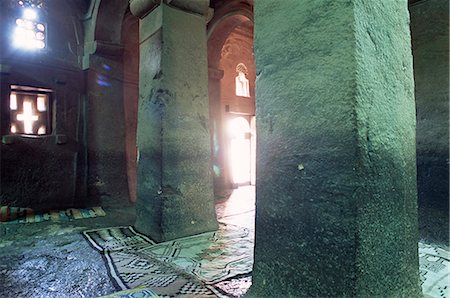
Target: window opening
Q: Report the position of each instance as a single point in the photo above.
(29, 111)
(242, 85)
(29, 32)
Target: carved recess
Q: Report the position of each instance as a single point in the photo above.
(141, 8)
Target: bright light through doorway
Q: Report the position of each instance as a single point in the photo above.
(240, 150)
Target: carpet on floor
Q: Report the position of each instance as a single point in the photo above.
(434, 271)
(15, 215)
(185, 266)
(139, 292)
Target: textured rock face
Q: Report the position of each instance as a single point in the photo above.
(430, 40)
(36, 179)
(175, 189)
(336, 201)
(106, 130)
(387, 235)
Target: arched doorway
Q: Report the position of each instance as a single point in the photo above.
(232, 116)
(231, 93)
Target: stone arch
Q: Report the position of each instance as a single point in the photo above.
(225, 19)
(109, 20)
(103, 23)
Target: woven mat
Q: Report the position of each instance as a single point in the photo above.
(185, 266)
(14, 215)
(218, 259)
(140, 292)
(434, 271)
(211, 257)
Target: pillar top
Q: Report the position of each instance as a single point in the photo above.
(141, 8)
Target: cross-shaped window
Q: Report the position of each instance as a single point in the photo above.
(27, 117)
(29, 112)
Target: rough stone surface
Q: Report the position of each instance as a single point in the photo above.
(41, 266)
(45, 171)
(335, 158)
(130, 39)
(175, 189)
(385, 117)
(106, 130)
(430, 41)
(36, 179)
(52, 259)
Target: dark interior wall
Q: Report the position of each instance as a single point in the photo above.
(107, 176)
(45, 171)
(105, 88)
(430, 42)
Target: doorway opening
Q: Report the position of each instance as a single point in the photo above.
(242, 150)
(231, 79)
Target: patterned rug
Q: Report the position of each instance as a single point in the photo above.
(186, 266)
(222, 261)
(434, 271)
(139, 292)
(211, 257)
(14, 215)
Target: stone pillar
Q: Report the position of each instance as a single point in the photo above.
(107, 178)
(430, 40)
(175, 185)
(221, 180)
(336, 175)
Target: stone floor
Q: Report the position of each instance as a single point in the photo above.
(52, 259)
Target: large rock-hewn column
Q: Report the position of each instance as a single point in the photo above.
(336, 178)
(175, 187)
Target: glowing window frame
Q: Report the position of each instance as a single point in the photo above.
(40, 101)
(29, 33)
